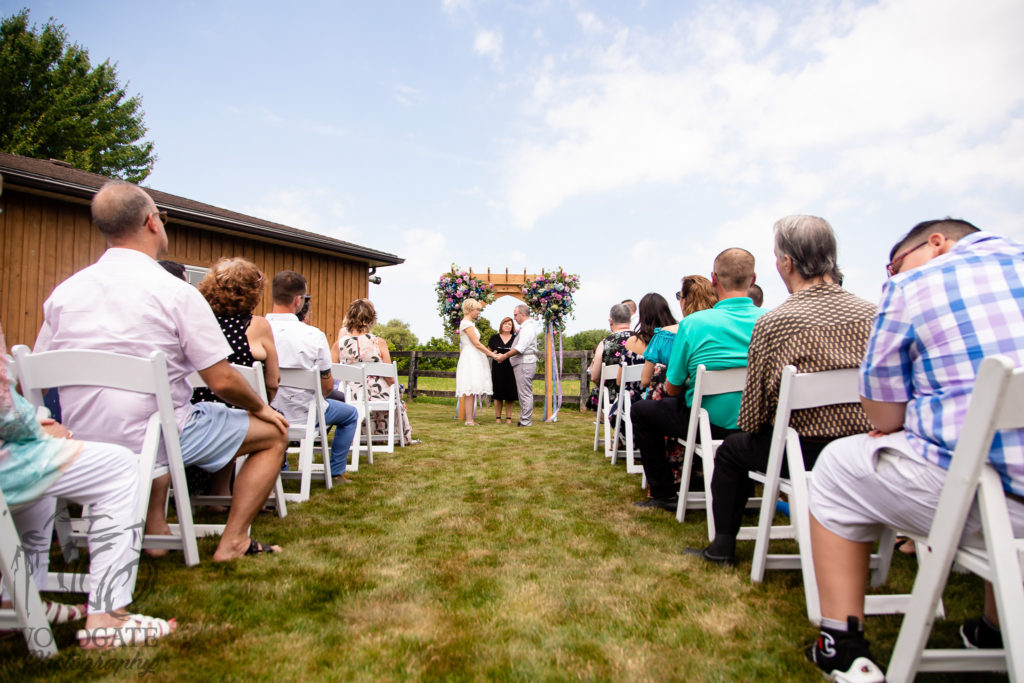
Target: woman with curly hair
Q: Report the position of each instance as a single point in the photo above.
(356, 344)
(234, 288)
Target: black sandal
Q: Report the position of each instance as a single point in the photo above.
(257, 548)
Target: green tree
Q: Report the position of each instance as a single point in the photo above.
(584, 341)
(439, 344)
(397, 334)
(483, 327)
(55, 105)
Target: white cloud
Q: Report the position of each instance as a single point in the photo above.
(488, 44)
(912, 93)
(589, 22)
(407, 95)
(314, 210)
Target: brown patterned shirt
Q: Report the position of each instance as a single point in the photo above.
(822, 327)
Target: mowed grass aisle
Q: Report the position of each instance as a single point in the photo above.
(486, 553)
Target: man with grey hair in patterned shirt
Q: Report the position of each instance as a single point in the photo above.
(819, 327)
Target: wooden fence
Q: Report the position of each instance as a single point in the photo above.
(415, 372)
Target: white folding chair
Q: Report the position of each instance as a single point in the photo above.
(254, 377)
(353, 379)
(706, 383)
(391, 403)
(624, 424)
(800, 391)
(995, 405)
(26, 612)
(40, 371)
(307, 434)
(604, 416)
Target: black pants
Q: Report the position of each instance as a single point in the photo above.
(731, 488)
(652, 422)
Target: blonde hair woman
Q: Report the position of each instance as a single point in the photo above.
(473, 373)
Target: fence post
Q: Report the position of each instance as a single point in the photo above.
(412, 374)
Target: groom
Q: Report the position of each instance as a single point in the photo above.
(523, 357)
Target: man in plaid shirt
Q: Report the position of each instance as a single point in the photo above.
(955, 296)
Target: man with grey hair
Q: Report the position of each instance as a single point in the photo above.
(523, 358)
(611, 350)
(819, 327)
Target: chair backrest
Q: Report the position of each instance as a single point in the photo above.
(609, 373)
(253, 376)
(66, 368)
(711, 383)
(386, 370)
(300, 378)
(347, 372)
(631, 373)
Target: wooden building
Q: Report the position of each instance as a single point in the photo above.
(46, 234)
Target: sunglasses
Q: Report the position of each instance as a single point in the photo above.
(893, 266)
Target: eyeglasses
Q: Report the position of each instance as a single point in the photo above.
(162, 215)
(679, 296)
(306, 298)
(892, 267)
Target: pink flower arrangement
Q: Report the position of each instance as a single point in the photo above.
(453, 288)
(550, 295)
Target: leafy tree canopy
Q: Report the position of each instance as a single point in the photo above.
(483, 327)
(55, 105)
(397, 334)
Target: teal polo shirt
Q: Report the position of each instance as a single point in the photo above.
(717, 338)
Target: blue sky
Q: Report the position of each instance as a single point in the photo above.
(628, 142)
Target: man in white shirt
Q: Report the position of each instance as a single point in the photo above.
(303, 346)
(127, 303)
(523, 357)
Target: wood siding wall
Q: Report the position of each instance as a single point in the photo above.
(44, 240)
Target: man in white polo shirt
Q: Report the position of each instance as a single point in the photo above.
(127, 303)
(303, 346)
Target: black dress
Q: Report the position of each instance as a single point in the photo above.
(233, 327)
(502, 377)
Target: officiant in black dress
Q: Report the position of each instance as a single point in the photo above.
(502, 377)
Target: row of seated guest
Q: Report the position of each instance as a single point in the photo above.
(126, 303)
(357, 344)
(822, 327)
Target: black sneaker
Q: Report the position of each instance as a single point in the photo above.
(978, 635)
(668, 504)
(845, 657)
(710, 555)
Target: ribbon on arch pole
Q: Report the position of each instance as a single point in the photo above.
(554, 375)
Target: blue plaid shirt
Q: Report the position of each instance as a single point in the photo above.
(934, 326)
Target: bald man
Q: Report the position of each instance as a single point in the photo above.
(127, 303)
(716, 338)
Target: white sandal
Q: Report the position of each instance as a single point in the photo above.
(138, 629)
(59, 613)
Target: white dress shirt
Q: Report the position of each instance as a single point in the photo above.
(526, 340)
(127, 303)
(298, 346)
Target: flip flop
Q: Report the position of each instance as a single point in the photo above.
(138, 629)
(257, 548)
(59, 613)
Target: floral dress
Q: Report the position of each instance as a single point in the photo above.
(363, 348)
(615, 352)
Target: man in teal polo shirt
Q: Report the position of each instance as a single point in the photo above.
(717, 338)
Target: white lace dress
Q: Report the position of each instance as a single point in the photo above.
(473, 373)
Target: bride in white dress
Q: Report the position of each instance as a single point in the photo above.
(473, 373)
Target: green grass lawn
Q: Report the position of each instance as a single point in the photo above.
(570, 387)
(486, 552)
